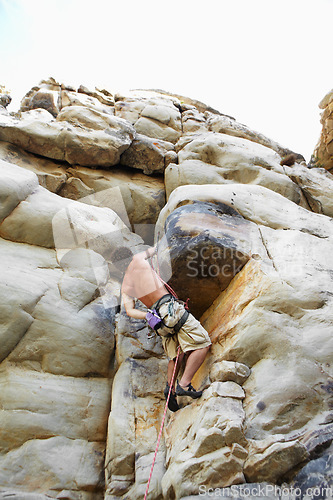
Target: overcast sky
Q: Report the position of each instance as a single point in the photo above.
(268, 63)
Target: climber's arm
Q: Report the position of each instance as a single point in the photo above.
(129, 304)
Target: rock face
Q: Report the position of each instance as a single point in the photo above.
(136, 198)
(215, 158)
(84, 172)
(323, 154)
(262, 320)
(57, 340)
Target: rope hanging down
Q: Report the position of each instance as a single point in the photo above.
(162, 424)
(167, 286)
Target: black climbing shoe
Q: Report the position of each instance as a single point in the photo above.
(187, 391)
(172, 405)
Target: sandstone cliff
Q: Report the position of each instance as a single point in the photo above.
(84, 172)
(323, 155)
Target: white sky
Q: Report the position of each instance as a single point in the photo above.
(268, 63)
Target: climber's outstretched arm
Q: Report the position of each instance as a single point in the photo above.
(129, 304)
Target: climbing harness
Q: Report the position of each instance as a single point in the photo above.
(162, 424)
(162, 322)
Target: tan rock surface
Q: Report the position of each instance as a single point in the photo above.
(16, 185)
(57, 343)
(214, 158)
(42, 412)
(136, 198)
(97, 139)
(136, 411)
(317, 187)
(5, 99)
(60, 463)
(264, 320)
(254, 203)
(149, 155)
(152, 114)
(99, 226)
(205, 443)
(276, 460)
(323, 154)
(51, 174)
(227, 125)
(60, 95)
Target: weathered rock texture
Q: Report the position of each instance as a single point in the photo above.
(84, 172)
(323, 155)
(5, 98)
(57, 339)
(264, 320)
(215, 158)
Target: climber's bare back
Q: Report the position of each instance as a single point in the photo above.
(141, 282)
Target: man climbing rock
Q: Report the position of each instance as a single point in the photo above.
(170, 319)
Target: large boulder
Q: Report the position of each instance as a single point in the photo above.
(317, 187)
(215, 158)
(77, 135)
(149, 155)
(208, 244)
(53, 96)
(16, 185)
(51, 173)
(67, 224)
(137, 199)
(152, 114)
(210, 240)
(227, 125)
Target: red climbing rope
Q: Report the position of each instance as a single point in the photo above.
(162, 424)
(167, 286)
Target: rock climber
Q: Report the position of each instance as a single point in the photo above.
(170, 319)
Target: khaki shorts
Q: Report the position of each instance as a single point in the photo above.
(190, 337)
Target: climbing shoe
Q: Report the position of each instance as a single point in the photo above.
(187, 391)
(172, 404)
